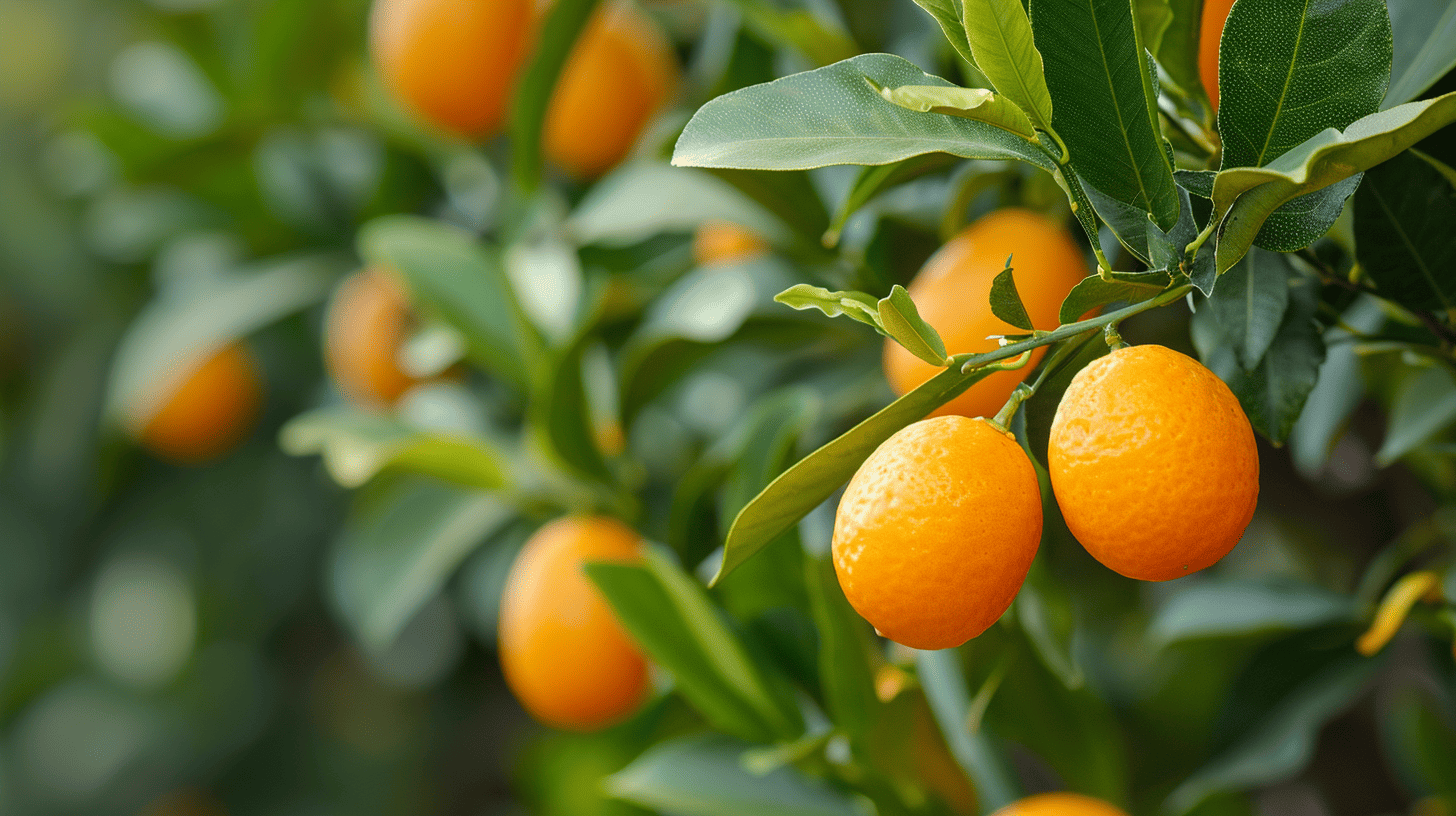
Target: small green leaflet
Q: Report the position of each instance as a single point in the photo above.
(969, 103)
(894, 316)
(1002, 44)
(1006, 301)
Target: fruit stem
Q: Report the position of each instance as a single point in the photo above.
(1113, 337)
(1191, 251)
(1024, 391)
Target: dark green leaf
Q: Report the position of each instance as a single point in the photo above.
(1425, 404)
(1005, 51)
(704, 776)
(357, 446)
(1093, 292)
(1425, 46)
(814, 478)
(945, 689)
(561, 411)
(846, 646)
(1243, 197)
(463, 283)
(949, 15)
(1153, 18)
(1006, 301)
(1106, 105)
(902, 323)
(1250, 303)
(1288, 70)
(564, 21)
(1403, 232)
(1044, 611)
(833, 116)
(1197, 182)
(1178, 50)
(672, 618)
(1340, 389)
(1419, 739)
(398, 552)
(1301, 222)
(1236, 608)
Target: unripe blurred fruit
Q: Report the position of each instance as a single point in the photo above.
(454, 62)
(1210, 33)
(724, 242)
(563, 652)
(952, 293)
(1059, 804)
(620, 73)
(1153, 463)
(936, 531)
(211, 409)
(368, 322)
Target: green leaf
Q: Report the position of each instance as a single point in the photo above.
(819, 40)
(1282, 742)
(846, 647)
(1154, 17)
(970, 103)
(357, 446)
(704, 776)
(398, 552)
(1240, 608)
(855, 305)
(1301, 222)
(670, 616)
(1106, 105)
(1425, 46)
(773, 428)
(1404, 214)
(561, 413)
(644, 198)
(1250, 302)
(1243, 197)
(1044, 611)
(814, 478)
(949, 16)
(1418, 737)
(1004, 50)
(872, 181)
(1197, 182)
(1288, 70)
(1424, 405)
(1338, 392)
(552, 46)
(832, 116)
(945, 689)
(1093, 292)
(462, 283)
(903, 324)
(1006, 301)
(1177, 52)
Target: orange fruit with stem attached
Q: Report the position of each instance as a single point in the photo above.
(620, 73)
(453, 62)
(368, 321)
(1210, 34)
(935, 532)
(210, 408)
(1153, 463)
(1059, 804)
(724, 242)
(565, 656)
(952, 293)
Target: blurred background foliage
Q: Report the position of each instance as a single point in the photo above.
(248, 637)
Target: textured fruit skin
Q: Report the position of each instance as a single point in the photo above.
(211, 409)
(952, 293)
(723, 242)
(620, 73)
(1153, 463)
(367, 323)
(564, 654)
(936, 531)
(1210, 32)
(1059, 804)
(454, 62)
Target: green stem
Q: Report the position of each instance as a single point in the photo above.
(1025, 391)
(1113, 337)
(1191, 251)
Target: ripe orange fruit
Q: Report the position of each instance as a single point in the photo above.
(1153, 463)
(453, 61)
(1059, 804)
(952, 293)
(211, 409)
(1210, 33)
(620, 73)
(936, 531)
(724, 242)
(367, 323)
(563, 652)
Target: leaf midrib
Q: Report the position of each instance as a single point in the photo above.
(1117, 108)
(1288, 81)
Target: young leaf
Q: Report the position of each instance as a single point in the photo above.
(1404, 214)
(1243, 197)
(855, 305)
(832, 116)
(948, 14)
(1250, 303)
(814, 478)
(1425, 47)
(1288, 70)
(970, 103)
(1093, 292)
(903, 324)
(671, 617)
(1002, 43)
(357, 446)
(1105, 101)
(703, 775)
(1006, 301)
